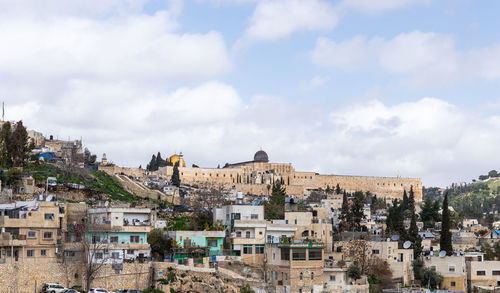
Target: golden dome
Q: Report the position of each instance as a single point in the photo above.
(175, 158)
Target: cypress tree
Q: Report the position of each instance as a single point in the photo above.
(404, 205)
(152, 164)
(445, 240)
(414, 237)
(337, 189)
(176, 180)
(357, 210)
(411, 200)
(345, 214)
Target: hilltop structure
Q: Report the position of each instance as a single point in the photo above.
(257, 175)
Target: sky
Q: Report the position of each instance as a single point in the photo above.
(353, 87)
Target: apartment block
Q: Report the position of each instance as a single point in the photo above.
(453, 270)
(31, 231)
(117, 235)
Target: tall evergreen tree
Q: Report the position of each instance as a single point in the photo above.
(5, 145)
(404, 204)
(357, 210)
(345, 214)
(159, 161)
(14, 145)
(152, 164)
(176, 179)
(275, 207)
(445, 240)
(395, 220)
(414, 237)
(411, 200)
(338, 190)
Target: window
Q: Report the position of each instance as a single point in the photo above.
(254, 216)
(114, 239)
(47, 235)
(247, 249)
(134, 239)
(98, 255)
(247, 234)
(31, 253)
(43, 252)
(375, 251)
(301, 275)
(115, 255)
(285, 254)
(237, 216)
(451, 268)
(480, 273)
(212, 242)
(70, 253)
(339, 248)
(49, 216)
(453, 284)
(312, 276)
(496, 273)
(299, 254)
(238, 233)
(96, 239)
(260, 232)
(351, 252)
(259, 249)
(315, 254)
(31, 234)
(332, 278)
(130, 251)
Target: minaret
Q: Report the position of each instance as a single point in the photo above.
(104, 160)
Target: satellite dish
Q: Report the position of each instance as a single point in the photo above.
(395, 237)
(106, 203)
(407, 244)
(388, 239)
(442, 253)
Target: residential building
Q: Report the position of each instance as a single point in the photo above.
(204, 243)
(295, 267)
(483, 274)
(309, 226)
(490, 237)
(453, 270)
(335, 279)
(30, 231)
(248, 240)
(118, 234)
(399, 260)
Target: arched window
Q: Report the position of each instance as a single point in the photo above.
(312, 276)
(247, 234)
(301, 276)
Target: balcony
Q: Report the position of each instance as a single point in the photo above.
(111, 228)
(303, 243)
(8, 239)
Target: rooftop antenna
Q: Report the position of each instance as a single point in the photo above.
(442, 253)
(3, 111)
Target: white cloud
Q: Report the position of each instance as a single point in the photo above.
(120, 48)
(376, 7)
(278, 19)
(314, 83)
(422, 58)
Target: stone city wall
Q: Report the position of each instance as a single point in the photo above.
(296, 183)
(20, 278)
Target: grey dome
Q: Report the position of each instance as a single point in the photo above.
(261, 156)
